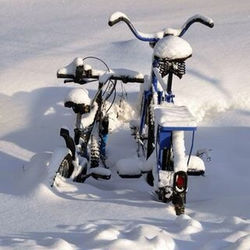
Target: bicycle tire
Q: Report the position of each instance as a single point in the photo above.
(150, 178)
(94, 152)
(66, 167)
(179, 200)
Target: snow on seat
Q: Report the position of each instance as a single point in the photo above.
(174, 117)
(172, 48)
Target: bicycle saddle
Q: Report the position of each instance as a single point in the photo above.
(172, 48)
(78, 99)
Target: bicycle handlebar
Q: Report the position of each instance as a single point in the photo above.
(196, 19)
(82, 73)
(154, 37)
(119, 16)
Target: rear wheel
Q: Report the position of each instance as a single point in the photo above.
(179, 200)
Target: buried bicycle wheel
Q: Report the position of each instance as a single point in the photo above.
(66, 167)
(60, 164)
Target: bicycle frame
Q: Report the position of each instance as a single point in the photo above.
(159, 95)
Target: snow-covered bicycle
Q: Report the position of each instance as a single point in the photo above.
(160, 133)
(84, 155)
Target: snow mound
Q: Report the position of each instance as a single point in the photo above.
(125, 236)
(45, 243)
(241, 244)
(188, 225)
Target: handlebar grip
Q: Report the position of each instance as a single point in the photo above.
(205, 20)
(116, 17)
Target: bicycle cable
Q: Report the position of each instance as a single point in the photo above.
(113, 90)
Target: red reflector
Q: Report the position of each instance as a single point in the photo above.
(180, 182)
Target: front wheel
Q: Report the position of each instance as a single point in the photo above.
(60, 164)
(66, 167)
(150, 178)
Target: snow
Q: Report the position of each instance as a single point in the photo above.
(115, 16)
(38, 38)
(70, 69)
(78, 96)
(172, 48)
(88, 118)
(100, 171)
(173, 116)
(179, 151)
(195, 163)
(126, 73)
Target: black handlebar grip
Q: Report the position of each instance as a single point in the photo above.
(111, 23)
(117, 17)
(211, 25)
(206, 21)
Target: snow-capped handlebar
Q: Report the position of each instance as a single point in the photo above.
(82, 73)
(196, 19)
(154, 37)
(119, 16)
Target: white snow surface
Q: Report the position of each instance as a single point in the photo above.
(39, 37)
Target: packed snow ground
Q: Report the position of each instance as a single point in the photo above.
(37, 38)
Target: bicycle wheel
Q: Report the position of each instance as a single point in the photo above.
(179, 200)
(66, 167)
(94, 152)
(167, 162)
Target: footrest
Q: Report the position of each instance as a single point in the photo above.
(196, 166)
(194, 172)
(129, 168)
(129, 176)
(100, 173)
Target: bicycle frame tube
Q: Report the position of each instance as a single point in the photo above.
(156, 93)
(165, 88)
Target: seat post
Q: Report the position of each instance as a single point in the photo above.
(170, 81)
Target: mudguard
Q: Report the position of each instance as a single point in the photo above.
(69, 141)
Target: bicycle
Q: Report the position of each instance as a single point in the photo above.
(162, 123)
(84, 155)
